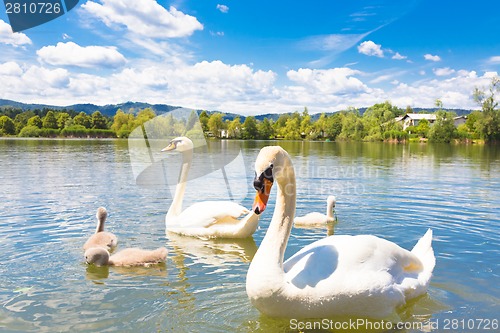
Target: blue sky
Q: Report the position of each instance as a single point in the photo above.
(255, 57)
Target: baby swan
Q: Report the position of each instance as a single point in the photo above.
(316, 218)
(128, 257)
(101, 238)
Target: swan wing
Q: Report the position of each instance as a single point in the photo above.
(353, 265)
(207, 213)
(311, 218)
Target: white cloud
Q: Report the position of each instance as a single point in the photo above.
(369, 48)
(72, 54)
(327, 81)
(431, 57)
(443, 71)
(494, 60)
(223, 8)
(10, 68)
(235, 88)
(144, 17)
(12, 38)
(398, 56)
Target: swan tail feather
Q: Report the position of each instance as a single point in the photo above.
(423, 250)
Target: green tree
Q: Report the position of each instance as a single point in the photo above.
(334, 126)
(321, 125)
(21, 119)
(306, 126)
(422, 129)
(122, 123)
(35, 121)
(62, 118)
(99, 121)
(83, 119)
(488, 125)
(30, 131)
(234, 128)
(250, 128)
(204, 117)
(265, 129)
(291, 131)
(443, 129)
(215, 124)
(280, 124)
(143, 116)
(49, 121)
(352, 126)
(7, 126)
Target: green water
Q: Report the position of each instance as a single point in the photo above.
(50, 190)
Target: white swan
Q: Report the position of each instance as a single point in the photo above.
(101, 238)
(316, 218)
(206, 219)
(358, 276)
(99, 256)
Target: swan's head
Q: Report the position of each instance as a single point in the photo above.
(179, 144)
(98, 256)
(273, 164)
(331, 201)
(101, 214)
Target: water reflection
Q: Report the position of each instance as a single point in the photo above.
(215, 252)
(330, 227)
(50, 189)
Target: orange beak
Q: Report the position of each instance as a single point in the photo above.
(260, 202)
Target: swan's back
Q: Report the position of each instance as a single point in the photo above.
(103, 239)
(355, 275)
(138, 257)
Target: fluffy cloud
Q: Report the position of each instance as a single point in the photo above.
(398, 56)
(12, 38)
(10, 69)
(72, 54)
(431, 57)
(369, 48)
(235, 88)
(223, 8)
(327, 81)
(144, 17)
(454, 92)
(443, 71)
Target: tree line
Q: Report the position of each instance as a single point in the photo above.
(377, 123)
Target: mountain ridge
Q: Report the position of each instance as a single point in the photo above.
(110, 109)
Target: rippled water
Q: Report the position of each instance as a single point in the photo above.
(50, 190)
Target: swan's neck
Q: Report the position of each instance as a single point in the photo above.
(329, 210)
(267, 263)
(176, 206)
(100, 225)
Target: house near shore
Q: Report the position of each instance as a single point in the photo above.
(412, 119)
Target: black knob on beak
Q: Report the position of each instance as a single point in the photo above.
(258, 183)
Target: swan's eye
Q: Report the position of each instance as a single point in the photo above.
(268, 173)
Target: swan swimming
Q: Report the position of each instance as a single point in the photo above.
(358, 276)
(99, 256)
(101, 238)
(205, 219)
(316, 218)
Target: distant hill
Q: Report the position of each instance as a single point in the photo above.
(110, 109)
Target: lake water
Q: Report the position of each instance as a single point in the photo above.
(50, 190)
